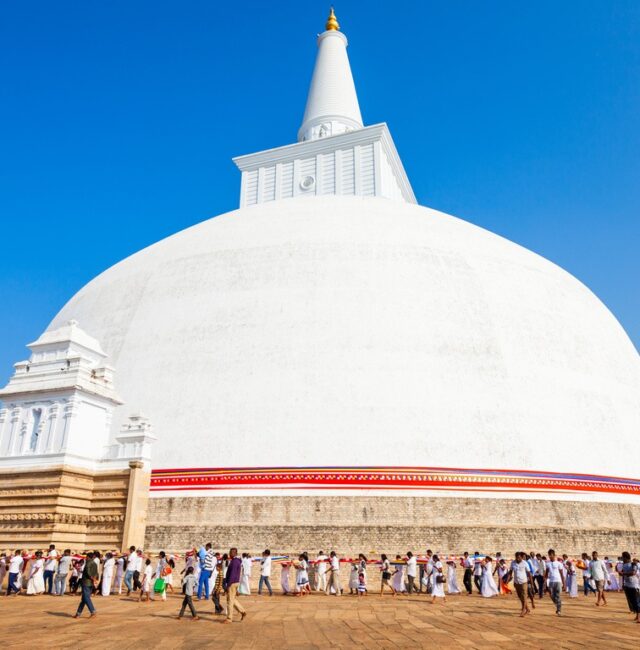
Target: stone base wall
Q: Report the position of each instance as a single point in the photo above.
(353, 524)
(66, 506)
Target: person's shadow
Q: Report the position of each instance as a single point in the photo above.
(61, 614)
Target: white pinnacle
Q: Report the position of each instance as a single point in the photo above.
(332, 105)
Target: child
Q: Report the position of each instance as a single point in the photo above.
(146, 581)
(362, 585)
(284, 578)
(188, 585)
(353, 579)
(168, 574)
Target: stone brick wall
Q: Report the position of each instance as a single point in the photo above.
(65, 506)
(352, 524)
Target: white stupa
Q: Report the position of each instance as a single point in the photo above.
(331, 334)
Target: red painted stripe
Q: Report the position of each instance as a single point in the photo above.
(385, 478)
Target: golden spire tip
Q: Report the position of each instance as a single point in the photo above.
(332, 22)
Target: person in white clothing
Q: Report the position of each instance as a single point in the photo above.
(15, 572)
(600, 575)
(147, 582)
(397, 581)
(107, 574)
(334, 575)
(284, 578)
(49, 568)
(35, 586)
(412, 572)
(117, 585)
(438, 580)
(555, 579)
(572, 579)
(385, 570)
(321, 572)
(522, 582)
(265, 572)
(488, 587)
(245, 576)
(452, 578)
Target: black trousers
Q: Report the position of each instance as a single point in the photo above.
(466, 580)
(136, 580)
(477, 581)
(215, 597)
(188, 602)
(540, 585)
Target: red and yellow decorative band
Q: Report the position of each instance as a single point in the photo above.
(403, 478)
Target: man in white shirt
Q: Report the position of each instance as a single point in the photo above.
(131, 567)
(265, 572)
(553, 573)
(522, 578)
(321, 572)
(15, 570)
(50, 565)
(412, 572)
(334, 575)
(600, 574)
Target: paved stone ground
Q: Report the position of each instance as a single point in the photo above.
(319, 621)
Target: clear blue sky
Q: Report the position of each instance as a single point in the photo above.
(118, 121)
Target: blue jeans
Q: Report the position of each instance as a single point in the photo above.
(128, 580)
(48, 581)
(587, 587)
(60, 583)
(204, 582)
(13, 578)
(86, 599)
(264, 580)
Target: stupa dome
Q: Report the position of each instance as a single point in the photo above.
(355, 332)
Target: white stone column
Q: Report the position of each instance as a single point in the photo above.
(13, 431)
(70, 411)
(51, 429)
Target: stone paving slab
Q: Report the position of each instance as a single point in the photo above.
(319, 621)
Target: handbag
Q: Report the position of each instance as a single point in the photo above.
(440, 579)
(158, 586)
(386, 575)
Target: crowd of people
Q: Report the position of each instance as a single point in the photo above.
(208, 574)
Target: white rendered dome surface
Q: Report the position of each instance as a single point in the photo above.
(355, 332)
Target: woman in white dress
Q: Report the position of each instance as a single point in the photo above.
(488, 585)
(107, 574)
(613, 584)
(244, 588)
(284, 578)
(35, 585)
(438, 579)
(397, 581)
(302, 575)
(572, 580)
(452, 579)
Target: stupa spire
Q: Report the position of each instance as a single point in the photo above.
(332, 104)
(332, 21)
